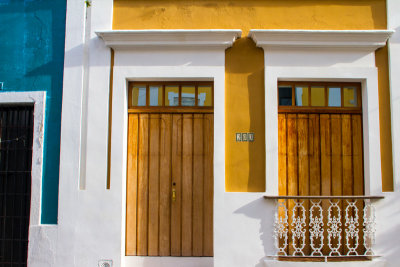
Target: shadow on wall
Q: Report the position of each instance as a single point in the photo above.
(261, 210)
(388, 227)
(382, 63)
(247, 234)
(32, 43)
(256, 86)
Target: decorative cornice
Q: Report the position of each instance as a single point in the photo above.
(169, 38)
(366, 39)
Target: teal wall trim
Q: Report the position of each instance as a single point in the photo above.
(32, 34)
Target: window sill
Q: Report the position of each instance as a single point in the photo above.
(342, 263)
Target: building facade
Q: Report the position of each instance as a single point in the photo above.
(225, 133)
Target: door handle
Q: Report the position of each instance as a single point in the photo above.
(173, 192)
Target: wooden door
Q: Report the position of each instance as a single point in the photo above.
(320, 146)
(320, 154)
(170, 185)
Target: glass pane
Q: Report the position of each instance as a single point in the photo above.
(204, 97)
(350, 97)
(301, 96)
(317, 96)
(138, 96)
(188, 98)
(156, 95)
(334, 97)
(285, 95)
(172, 95)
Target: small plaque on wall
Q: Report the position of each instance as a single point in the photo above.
(244, 137)
(250, 136)
(238, 137)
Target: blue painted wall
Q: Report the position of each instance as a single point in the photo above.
(32, 34)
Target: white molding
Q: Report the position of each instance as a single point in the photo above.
(372, 263)
(169, 261)
(167, 38)
(393, 9)
(303, 55)
(158, 64)
(368, 78)
(366, 39)
(37, 99)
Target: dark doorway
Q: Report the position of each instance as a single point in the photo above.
(16, 131)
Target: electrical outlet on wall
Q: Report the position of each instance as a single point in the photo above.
(105, 263)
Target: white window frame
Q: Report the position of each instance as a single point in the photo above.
(37, 99)
(38, 233)
(307, 55)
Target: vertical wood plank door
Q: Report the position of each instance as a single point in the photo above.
(320, 154)
(169, 208)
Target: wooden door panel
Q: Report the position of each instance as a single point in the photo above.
(165, 185)
(321, 154)
(292, 155)
(303, 165)
(143, 196)
(357, 155)
(282, 154)
(347, 155)
(326, 163)
(303, 154)
(198, 183)
(176, 167)
(292, 166)
(169, 152)
(131, 185)
(314, 154)
(325, 143)
(358, 178)
(208, 191)
(187, 184)
(154, 184)
(336, 158)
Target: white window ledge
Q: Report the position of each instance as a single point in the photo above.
(167, 38)
(373, 263)
(369, 39)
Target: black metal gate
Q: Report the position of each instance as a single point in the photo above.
(16, 131)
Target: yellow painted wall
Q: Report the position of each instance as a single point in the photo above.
(381, 61)
(245, 162)
(244, 104)
(249, 14)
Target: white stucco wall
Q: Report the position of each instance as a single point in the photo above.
(86, 216)
(389, 209)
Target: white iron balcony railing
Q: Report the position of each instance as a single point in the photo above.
(324, 227)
